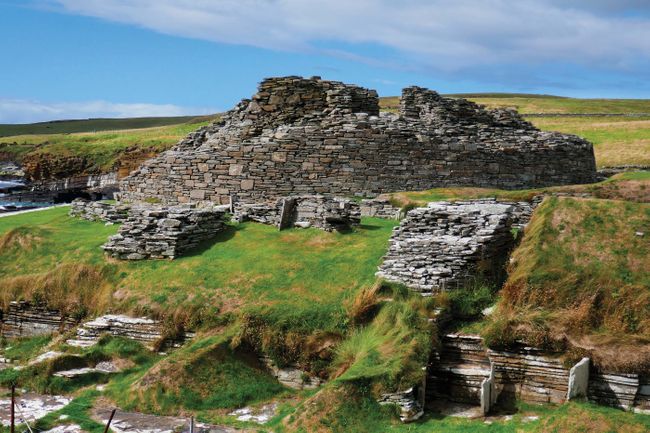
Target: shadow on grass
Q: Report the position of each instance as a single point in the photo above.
(223, 236)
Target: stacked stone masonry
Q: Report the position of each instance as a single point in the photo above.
(379, 208)
(164, 232)
(445, 245)
(98, 211)
(23, 319)
(457, 370)
(309, 136)
(323, 212)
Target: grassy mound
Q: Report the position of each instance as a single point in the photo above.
(580, 278)
(93, 151)
(202, 376)
(630, 186)
(301, 277)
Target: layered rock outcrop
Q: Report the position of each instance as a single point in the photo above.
(23, 319)
(459, 368)
(142, 329)
(310, 136)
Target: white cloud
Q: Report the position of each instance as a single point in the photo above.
(28, 111)
(440, 34)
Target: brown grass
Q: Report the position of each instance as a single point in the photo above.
(70, 288)
(361, 307)
(20, 237)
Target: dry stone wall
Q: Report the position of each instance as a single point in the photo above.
(379, 208)
(309, 136)
(323, 212)
(164, 232)
(447, 244)
(98, 211)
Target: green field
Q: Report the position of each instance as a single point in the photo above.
(94, 125)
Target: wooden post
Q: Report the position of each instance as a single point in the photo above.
(108, 424)
(13, 408)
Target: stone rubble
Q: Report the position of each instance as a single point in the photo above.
(164, 232)
(291, 376)
(446, 245)
(410, 406)
(260, 415)
(98, 211)
(310, 136)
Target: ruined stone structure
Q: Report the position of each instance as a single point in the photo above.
(458, 370)
(326, 213)
(446, 244)
(163, 232)
(309, 136)
(379, 208)
(98, 211)
(23, 319)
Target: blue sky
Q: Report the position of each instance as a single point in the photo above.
(123, 58)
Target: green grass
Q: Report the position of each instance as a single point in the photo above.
(354, 410)
(94, 125)
(204, 376)
(580, 272)
(102, 150)
(23, 349)
(632, 186)
(392, 348)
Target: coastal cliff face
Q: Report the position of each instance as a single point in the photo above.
(311, 136)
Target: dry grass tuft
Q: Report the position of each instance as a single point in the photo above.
(73, 288)
(20, 237)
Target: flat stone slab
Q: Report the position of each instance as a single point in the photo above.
(260, 415)
(133, 422)
(31, 407)
(102, 367)
(70, 428)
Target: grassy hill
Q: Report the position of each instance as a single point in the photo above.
(94, 125)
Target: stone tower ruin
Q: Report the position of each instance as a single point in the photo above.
(310, 136)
